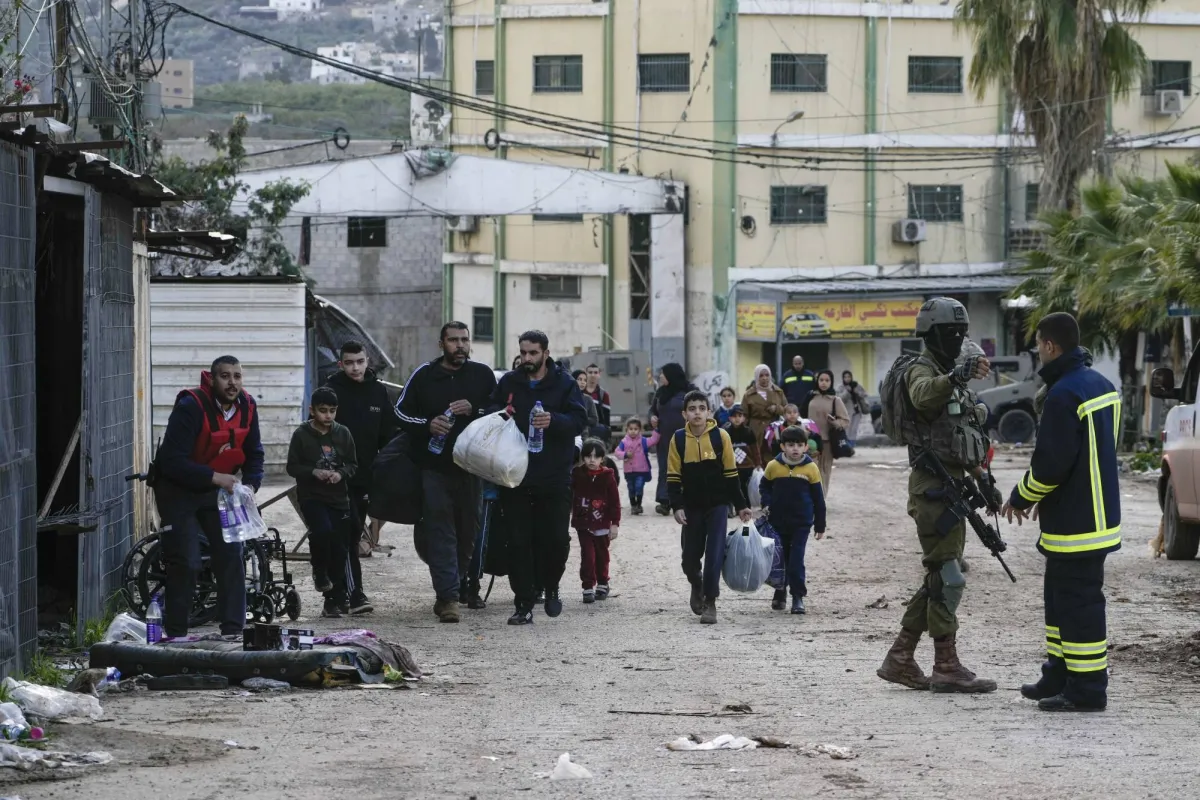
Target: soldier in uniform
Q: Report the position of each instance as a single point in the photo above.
(937, 416)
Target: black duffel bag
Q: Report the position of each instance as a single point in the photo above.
(396, 484)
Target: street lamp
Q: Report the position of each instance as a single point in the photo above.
(792, 117)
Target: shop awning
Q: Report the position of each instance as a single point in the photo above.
(857, 287)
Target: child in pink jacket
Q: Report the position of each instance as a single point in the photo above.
(634, 450)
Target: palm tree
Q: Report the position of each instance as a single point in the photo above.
(1061, 60)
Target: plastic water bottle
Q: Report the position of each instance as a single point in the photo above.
(153, 621)
(438, 443)
(537, 436)
(230, 525)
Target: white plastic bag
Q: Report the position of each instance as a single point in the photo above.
(48, 703)
(566, 769)
(240, 520)
(494, 449)
(755, 497)
(126, 628)
(749, 557)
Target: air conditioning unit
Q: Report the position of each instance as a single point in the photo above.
(1168, 101)
(463, 224)
(908, 231)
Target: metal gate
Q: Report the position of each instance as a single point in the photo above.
(108, 366)
(18, 428)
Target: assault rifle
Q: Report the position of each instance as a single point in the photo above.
(962, 498)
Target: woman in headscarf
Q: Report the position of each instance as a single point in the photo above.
(828, 411)
(666, 414)
(854, 398)
(763, 404)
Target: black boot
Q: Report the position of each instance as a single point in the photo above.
(462, 591)
(553, 603)
(779, 600)
(1060, 703)
(474, 599)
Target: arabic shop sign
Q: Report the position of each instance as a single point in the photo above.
(829, 319)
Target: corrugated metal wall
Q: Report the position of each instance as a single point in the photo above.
(262, 324)
(18, 429)
(108, 374)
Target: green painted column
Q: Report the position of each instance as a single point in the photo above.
(448, 246)
(871, 126)
(610, 257)
(724, 188)
(499, 315)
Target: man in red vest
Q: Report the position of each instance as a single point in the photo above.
(212, 435)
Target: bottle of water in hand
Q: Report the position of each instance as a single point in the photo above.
(537, 436)
(438, 443)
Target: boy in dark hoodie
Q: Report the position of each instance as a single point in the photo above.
(322, 459)
(795, 503)
(746, 453)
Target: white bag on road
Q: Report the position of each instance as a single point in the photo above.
(494, 449)
(749, 557)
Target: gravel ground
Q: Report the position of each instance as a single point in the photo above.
(502, 704)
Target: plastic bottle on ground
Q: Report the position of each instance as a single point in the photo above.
(153, 621)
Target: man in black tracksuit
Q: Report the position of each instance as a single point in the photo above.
(452, 383)
(364, 408)
(538, 512)
(798, 384)
(1072, 479)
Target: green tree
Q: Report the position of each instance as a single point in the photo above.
(1062, 61)
(216, 187)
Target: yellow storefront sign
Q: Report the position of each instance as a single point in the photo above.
(830, 319)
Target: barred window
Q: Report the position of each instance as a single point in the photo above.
(791, 72)
(366, 232)
(485, 77)
(1168, 75)
(799, 205)
(664, 73)
(482, 322)
(1032, 192)
(935, 75)
(940, 203)
(555, 287)
(557, 74)
(558, 217)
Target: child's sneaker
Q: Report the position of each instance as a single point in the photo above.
(589, 595)
(602, 591)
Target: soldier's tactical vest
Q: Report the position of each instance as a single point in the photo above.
(955, 435)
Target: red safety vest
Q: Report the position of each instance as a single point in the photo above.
(220, 442)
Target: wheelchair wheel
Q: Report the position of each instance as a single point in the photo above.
(152, 577)
(291, 603)
(130, 573)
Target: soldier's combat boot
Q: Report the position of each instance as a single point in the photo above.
(949, 675)
(900, 666)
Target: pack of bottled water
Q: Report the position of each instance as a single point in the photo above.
(240, 520)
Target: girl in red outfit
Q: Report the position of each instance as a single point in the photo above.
(596, 516)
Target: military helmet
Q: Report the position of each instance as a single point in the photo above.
(940, 311)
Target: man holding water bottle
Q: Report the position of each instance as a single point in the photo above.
(212, 435)
(548, 408)
(439, 400)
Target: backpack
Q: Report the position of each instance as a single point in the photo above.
(714, 436)
(894, 403)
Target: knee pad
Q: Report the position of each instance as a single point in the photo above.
(953, 583)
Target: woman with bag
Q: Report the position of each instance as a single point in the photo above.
(666, 417)
(854, 398)
(763, 404)
(827, 410)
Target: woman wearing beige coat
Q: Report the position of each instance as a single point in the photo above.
(763, 404)
(828, 411)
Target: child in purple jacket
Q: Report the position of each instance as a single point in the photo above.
(634, 450)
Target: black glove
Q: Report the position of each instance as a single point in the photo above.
(962, 374)
(991, 493)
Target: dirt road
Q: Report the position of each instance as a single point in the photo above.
(503, 703)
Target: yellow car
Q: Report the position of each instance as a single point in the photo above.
(805, 326)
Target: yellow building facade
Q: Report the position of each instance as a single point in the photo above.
(836, 164)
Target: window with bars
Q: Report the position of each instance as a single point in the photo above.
(1167, 75)
(799, 205)
(1032, 192)
(557, 74)
(941, 203)
(555, 287)
(485, 77)
(558, 217)
(792, 72)
(482, 323)
(366, 232)
(935, 75)
(665, 73)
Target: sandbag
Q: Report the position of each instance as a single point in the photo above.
(493, 448)
(395, 492)
(749, 557)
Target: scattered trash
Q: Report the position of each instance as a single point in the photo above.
(232, 745)
(882, 602)
(772, 742)
(266, 685)
(189, 682)
(833, 751)
(725, 741)
(490, 758)
(14, 727)
(94, 681)
(731, 710)
(49, 703)
(738, 708)
(26, 759)
(126, 628)
(566, 770)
